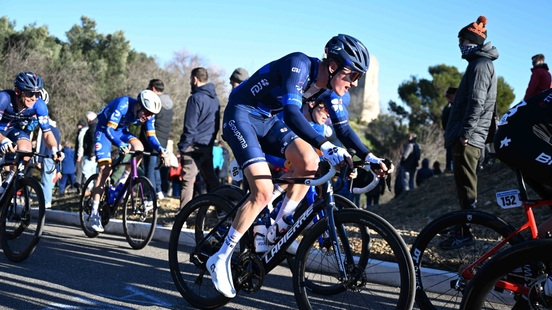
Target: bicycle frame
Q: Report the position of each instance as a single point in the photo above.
(277, 253)
(129, 183)
(531, 224)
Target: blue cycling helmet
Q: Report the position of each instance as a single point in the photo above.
(348, 52)
(28, 81)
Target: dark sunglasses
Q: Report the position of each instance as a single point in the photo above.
(354, 75)
(29, 93)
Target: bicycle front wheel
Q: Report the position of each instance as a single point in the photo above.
(22, 219)
(381, 257)
(522, 270)
(186, 260)
(85, 208)
(440, 262)
(140, 213)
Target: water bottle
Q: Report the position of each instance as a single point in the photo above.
(111, 195)
(7, 181)
(260, 231)
(279, 229)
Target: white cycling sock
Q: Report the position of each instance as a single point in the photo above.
(278, 191)
(229, 243)
(288, 207)
(123, 177)
(95, 208)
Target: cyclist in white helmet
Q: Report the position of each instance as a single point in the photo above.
(112, 129)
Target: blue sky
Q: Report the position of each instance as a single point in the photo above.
(405, 36)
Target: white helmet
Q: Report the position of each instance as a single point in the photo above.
(150, 101)
(44, 95)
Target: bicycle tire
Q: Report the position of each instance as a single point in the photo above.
(140, 213)
(85, 207)
(481, 292)
(437, 269)
(340, 203)
(22, 220)
(187, 268)
(389, 259)
(231, 192)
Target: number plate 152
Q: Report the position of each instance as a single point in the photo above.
(508, 199)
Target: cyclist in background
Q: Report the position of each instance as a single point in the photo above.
(523, 141)
(112, 129)
(21, 108)
(251, 131)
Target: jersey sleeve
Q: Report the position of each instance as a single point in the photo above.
(295, 74)
(150, 134)
(42, 115)
(340, 121)
(114, 117)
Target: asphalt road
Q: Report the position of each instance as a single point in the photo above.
(71, 271)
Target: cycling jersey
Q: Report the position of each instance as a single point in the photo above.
(117, 115)
(523, 141)
(340, 121)
(281, 85)
(11, 117)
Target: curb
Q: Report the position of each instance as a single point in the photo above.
(114, 227)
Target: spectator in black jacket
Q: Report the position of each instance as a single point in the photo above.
(89, 165)
(424, 173)
(450, 93)
(409, 162)
(201, 125)
(163, 125)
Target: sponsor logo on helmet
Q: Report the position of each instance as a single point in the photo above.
(97, 146)
(296, 70)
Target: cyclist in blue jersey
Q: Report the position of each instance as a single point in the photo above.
(251, 131)
(22, 108)
(112, 129)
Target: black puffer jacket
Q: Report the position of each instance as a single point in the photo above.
(163, 123)
(472, 110)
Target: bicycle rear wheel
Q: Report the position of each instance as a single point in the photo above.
(85, 208)
(381, 258)
(438, 270)
(140, 213)
(186, 261)
(524, 267)
(22, 219)
(230, 192)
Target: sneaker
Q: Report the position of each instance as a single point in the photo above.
(148, 205)
(48, 205)
(451, 231)
(456, 242)
(221, 275)
(96, 224)
(160, 195)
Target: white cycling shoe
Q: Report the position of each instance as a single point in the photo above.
(221, 275)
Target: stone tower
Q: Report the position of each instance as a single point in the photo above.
(365, 97)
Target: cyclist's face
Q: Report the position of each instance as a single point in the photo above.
(344, 80)
(28, 98)
(142, 114)
(319, 113)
